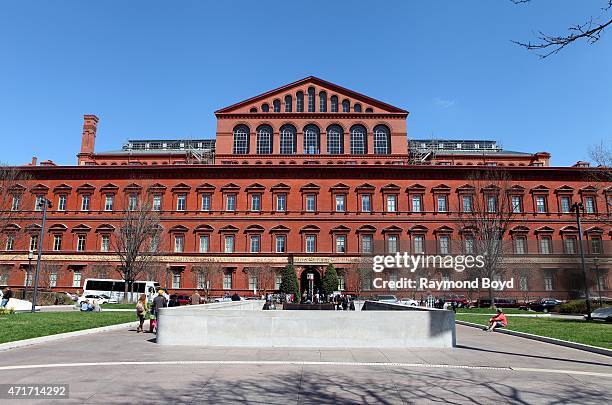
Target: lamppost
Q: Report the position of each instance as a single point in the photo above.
(578, 207)
(596, 264)
(44, 204)
(28, 271)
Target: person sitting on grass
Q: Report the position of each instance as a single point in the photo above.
(497, 321)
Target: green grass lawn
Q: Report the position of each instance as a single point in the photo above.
(28, 325)
(590, 333)
(119, 306)
(492, 311)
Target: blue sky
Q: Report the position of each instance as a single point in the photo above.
(160, 69)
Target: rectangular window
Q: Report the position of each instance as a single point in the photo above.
(157, 202)
(229, 244)
(81, 243)
(366, 244)
(391, 203)
(469, 245)
(492, 203)
(154, 244)
(442, 203)
(179, 243)
(281, 202)
(516, 204)
(85, 200)
(16, 203)
(176, 279)
(366, 203)
(76, 279)
(206, 202)
(29, 278)
(589, 205)
(38, 203)
(340, 203)
(545, 245)
(204, 243)
(253, 283)
(57, 242)
(540, 204)
(34, 243)
(230, 202)
(53, 280)
(108, 202)
(277, 282)
(520, 245)
(311, 203)
(255, 244)
(393, 281)
(201, 281)
(467, 203)
(61, 203)
(105, 243)
(227, 281)
(596, 245)
(341, 283)
(444, 242)
(416, 203)
(523, 285)
(256, 202)
(181, 202)
(311, 243)
(280, 243)
(340, 244)
(548, 283)
(565, 205)
(133, 202)
(392, 244)
(10, 242)
(418, 242)
(569, 244)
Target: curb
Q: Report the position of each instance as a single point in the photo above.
(545, 339)
(59, 336)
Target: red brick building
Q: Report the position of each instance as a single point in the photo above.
(311, 173)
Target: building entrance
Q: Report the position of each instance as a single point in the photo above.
(310, 281)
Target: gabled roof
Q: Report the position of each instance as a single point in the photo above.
(388, 108)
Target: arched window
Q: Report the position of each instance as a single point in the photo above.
(369, 110)
(358, 140)
(265, 107)
(276, 104)
(335, 140)
(299, 101)
(287, 140)
(312, 137)
(241, 140)
(334, 103)
(382, 140)
(288, 103)
(264, 140)
(346, 106)
(311, 99)
(253, 109)
(322, 101)
(357, 107)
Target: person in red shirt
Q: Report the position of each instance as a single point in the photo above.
(497, 321)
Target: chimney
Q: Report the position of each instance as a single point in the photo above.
(34, 159)
(88, 140)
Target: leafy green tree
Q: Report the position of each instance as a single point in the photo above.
(330, 280)
(289, 282)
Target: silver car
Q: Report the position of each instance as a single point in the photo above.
(602, 314)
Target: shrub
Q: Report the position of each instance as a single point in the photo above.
(289, 282)
(577, 307)
(329, 283)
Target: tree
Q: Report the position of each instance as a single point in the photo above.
(100, 270)
(589, 31)
(523, 279)
(203, 275)
(329, 284)
(359, 277)
(488, 220)
(264, 276)
(289, 282)
(137, 241)
(12, 200)
(47, 270)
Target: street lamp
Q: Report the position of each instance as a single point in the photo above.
(596, 264)
(578, 207)
(43, 204)
(28, 271)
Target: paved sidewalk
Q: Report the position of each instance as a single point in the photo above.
(484, 368)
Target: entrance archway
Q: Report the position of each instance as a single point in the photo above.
(304, 282)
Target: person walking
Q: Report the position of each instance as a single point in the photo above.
(141, 310)
(196, 299)
(159, 302)
(7, 295)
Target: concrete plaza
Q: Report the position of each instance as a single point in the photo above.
(125, 367)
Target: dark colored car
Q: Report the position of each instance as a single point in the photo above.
(459, 300)
(543, 305)
(184, 299)
(602, 314)
(499, 303)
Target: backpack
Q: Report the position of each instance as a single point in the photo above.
(139, 308)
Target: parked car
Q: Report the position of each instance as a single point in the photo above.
(184, 299)
(409, 302)
(459, 300)
(389, 299)
(602, 314)
(102, 299)
(70, 295)
(544, 305)
(498, 303)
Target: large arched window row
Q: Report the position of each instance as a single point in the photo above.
(382, 140)
(346, 106)
(357, 107)
(287, 140)
(265, 107)
(264, 140)
(241, 140)
(276, 104)
(288, 103)
(358, 140)
(299, 101)
(312, 140)
(322, 101)
(335, 140)
(334, 103)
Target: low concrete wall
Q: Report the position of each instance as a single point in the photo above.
(244, 324)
